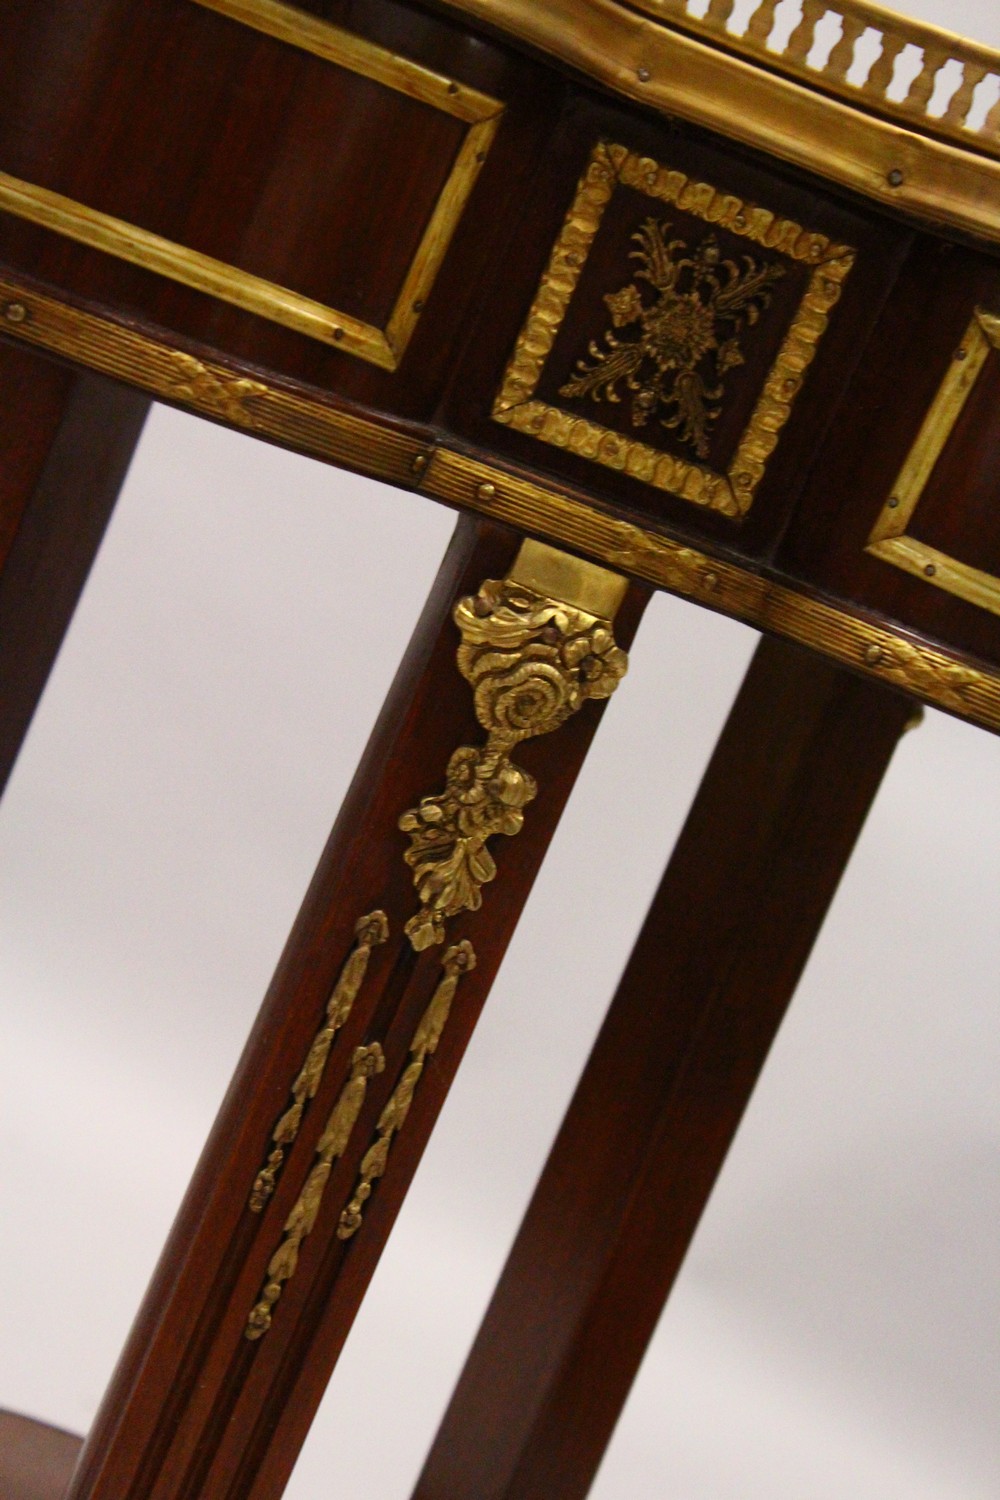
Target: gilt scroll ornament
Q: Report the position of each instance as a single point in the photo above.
(457, 960)
(532, 662)
(369, 932)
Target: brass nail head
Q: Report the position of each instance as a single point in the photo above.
(420, 463)
(895, 178)
(418, 307)
(930, 570)
(892, 502)
(961, 353)
(873, 655)
(338, 334)
(486, 491)
(711, 580)
(643, 75)
(15, 312)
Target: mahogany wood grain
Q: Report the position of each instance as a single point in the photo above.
(195, 1408)
(66, 440)
(204, 130)
(252, 150)
(231, 143)
(881, 247)
(904, 364)
(714, 968)
(36, 1460)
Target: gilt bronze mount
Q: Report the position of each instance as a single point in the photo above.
(669, 354)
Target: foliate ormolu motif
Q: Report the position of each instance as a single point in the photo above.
(522, 401)
(532, 662)
(679, 347)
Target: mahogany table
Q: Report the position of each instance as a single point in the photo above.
(654, 300)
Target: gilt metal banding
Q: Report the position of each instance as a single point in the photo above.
(281, 304)
(533, 660)
(367, 1061)
(684, 336)
(727, 71)
(368, 932)
(863, 60)
(404, 455)
(941, 677)
(457, 960)
(890, 540)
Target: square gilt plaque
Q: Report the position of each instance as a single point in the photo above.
(671, 331)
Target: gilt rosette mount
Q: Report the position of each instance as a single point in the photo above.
(533, 661)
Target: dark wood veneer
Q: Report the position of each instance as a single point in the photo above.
(722, 948)
(66, 440)
(194, 1408)
(906, 300)
(36, 1460)
(881, 246)
(906, 360)
(229, 142)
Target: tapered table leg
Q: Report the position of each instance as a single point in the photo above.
(66, 440)
(414, 901)
(729, 931)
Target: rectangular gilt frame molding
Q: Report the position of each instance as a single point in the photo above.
(379, 346)
(889, 540)
(731, 493)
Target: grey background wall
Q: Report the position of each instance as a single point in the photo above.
(836, 1330)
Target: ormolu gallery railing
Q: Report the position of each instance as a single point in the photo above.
(905, 69)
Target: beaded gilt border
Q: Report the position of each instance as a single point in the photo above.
(515, 405)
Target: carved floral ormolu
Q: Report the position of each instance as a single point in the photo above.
(532, 662)
(369, 932)
(679, 348)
